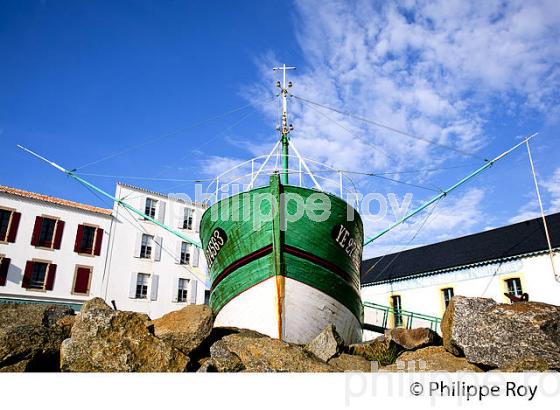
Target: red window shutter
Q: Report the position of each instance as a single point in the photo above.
(14, 227)
(51, 273)
(81, 284)
(79, 236)
(36, 231)
(4, 266)
(98, 241)
(58, 234)
(27, 274)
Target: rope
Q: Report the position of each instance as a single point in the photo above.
(405, 246)
(142, 178)
(139, 228)
(380, 125)
(169, 134)
(406, 183)
(378, 149)
(206, 142)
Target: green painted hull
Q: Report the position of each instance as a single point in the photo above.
(246, 241)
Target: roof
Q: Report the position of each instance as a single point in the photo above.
(523, 238)
(53, 200)
(149, 191)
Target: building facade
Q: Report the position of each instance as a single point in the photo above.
(51, 250)
(414, 287)
(149, 269)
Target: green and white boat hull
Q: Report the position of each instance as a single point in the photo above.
(282, 268)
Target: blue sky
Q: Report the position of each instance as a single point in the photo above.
(82, 80)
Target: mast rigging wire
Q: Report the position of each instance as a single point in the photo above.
(423, 223)
(170, 134)
(376, 148)
(380, 125)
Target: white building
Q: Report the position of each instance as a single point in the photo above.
(149, 269)
(413, 288)
(51, 250)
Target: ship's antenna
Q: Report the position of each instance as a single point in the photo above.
(284, 127)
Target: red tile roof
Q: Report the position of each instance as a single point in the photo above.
(53, 200)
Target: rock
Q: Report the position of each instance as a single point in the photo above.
(412, 339)
(495, 335)
(430, 359)
(185, 329)
(21, 366)
(350, 363)
(461, 313)
(223, 360)
(66, 323)
(264, 354)
(30, 336)
(207, 366)
(104, 340)
(95, 303)
(202, 353)
(526, 364)
(381, 349)
(327, 344)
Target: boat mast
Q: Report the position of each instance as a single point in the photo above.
(550, 250)
(284, 127)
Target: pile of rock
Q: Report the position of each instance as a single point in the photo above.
(31, 335)
(507, 337)
(478, 335)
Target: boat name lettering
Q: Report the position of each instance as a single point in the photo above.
(215, 244)
(344, 239)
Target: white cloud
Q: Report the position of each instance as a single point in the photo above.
(550, 195)
(552, 185)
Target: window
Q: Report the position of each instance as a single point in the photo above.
(146, 247)
(5, 217)
(447, 295)
(182, 290)
(88, 240)
(142, 285)
(514, 286)
(185, 254)
(88, 236)
(9, 222)
(4, 267)
(206, 297)
(150, 209)
(38, 275)
(397, 315)
(188, 219)
(82, 280)
(47, 232)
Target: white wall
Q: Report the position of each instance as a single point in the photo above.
(423, 295)
(65, 258)
(122, 261)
